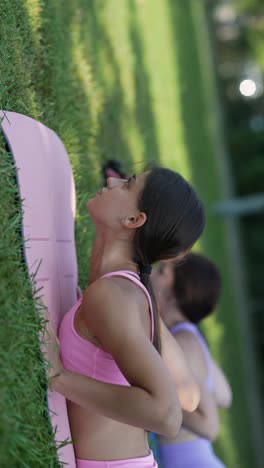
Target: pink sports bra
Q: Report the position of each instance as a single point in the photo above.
(84, 357)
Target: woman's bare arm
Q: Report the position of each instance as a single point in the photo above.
(151, 402)
(204, 421)
(222, 389)
(187, 389)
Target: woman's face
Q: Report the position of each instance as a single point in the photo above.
(117, 203)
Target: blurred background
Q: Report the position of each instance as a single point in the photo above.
(174, 81)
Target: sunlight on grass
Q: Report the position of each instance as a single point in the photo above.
(34, 10)
(117, 27)
(164, 84)
(94, 98)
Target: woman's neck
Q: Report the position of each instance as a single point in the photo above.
(110, 253)
(172, 314)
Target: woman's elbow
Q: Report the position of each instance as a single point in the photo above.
(189, 396)
(224, 400)
(213, 429)
(213, 434)
(227, 401)
(208, 430)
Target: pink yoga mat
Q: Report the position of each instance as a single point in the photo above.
(46, 185)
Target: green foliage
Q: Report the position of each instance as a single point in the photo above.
(26, 436)
(248, 6)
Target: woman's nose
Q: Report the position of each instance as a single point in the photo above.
(112, 182)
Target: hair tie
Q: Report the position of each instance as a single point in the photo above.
(145, 269)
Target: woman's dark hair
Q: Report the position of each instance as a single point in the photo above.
(197, 285)
(175, 220)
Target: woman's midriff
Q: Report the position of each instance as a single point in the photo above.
(184, 435)
(98, 438)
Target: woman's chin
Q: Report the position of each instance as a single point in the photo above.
(90, 204)
(94, 211)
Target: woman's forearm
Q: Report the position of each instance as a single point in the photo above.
(129, 405)
(201, 425)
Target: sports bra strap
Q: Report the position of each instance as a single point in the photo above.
(134, 277)
(195, 331)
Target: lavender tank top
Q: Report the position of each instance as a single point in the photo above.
(186, 326)
(80, 355)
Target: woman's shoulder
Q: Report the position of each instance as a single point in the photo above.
(99, 309)
(114, 289)
(110, 310)
(188, 339)
(112, 297)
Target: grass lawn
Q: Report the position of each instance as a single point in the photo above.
(132, 80)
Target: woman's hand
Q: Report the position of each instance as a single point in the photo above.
(50, 347)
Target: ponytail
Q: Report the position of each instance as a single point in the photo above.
(145, 280)
(175, 220)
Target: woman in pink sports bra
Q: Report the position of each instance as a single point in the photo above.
(187, 294)
(111, 372)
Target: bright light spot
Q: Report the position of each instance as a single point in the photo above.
(225, 14)
(247, 87)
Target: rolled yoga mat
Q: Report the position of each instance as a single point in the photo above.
(46, 186)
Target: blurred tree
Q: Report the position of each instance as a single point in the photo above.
(238, 29)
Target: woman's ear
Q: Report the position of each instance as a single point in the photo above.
(136, 221)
